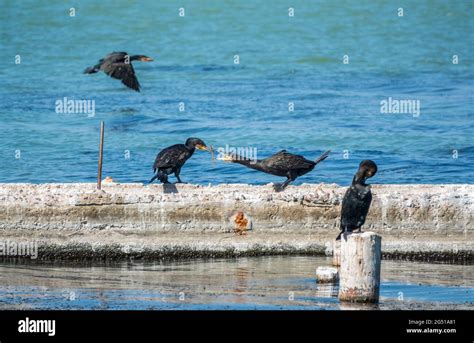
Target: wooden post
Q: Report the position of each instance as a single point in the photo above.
(359, 278)
(101, 152)
(336, 253)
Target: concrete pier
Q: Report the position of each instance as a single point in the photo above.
(422, 222)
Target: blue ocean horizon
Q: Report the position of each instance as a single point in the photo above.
(291, 89)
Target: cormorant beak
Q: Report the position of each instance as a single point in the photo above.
(147, 59)
(202, 147)
(226, 158)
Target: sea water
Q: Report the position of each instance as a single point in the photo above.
(360, 78)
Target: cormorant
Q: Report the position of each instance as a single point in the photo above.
(282, 163)
(171, 159)
(356, 201)
(119, 66)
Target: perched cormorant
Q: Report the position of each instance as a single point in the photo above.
(119, 66)
(356, 202)
(171, 159)
(281, 164)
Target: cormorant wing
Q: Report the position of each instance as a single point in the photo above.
(122, 71)
(288, 161)
(171, 156)
(354, 208)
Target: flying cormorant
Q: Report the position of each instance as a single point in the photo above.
(282, 163)
(119, 66)
(171, 159)
(356, 201)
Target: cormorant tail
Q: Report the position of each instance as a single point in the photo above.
(92, 70)
(322, 157)
(339, 236)
(160, 176)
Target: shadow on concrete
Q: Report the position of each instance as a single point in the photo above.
(169, 188)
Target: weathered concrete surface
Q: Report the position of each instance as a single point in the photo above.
(76, 220)
(327, 275)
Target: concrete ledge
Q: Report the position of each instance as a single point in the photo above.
(433, 222)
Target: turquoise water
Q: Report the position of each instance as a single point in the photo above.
(282, 59)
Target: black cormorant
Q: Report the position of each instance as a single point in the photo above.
(171, 159)
(119, 66)
(356, 201)
(282, 163)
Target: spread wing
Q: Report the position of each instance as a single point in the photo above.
(122, 71)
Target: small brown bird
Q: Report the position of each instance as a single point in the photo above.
(240, 223)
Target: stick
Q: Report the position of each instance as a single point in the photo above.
(101, 153)
(212, 154)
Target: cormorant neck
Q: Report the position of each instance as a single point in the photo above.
(190, 148)
(359, 179)
(250, 163)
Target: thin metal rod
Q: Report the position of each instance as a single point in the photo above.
(101, 153)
